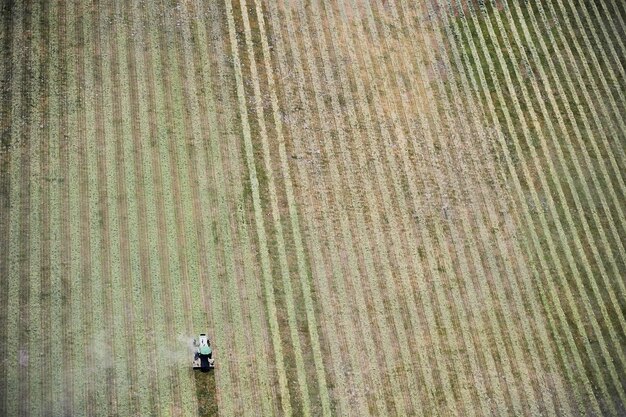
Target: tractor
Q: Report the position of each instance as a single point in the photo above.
(203, 355)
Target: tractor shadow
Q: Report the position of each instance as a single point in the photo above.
(205, 393)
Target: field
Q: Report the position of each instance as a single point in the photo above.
(373, 207)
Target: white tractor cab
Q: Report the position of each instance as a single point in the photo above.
(203, 356)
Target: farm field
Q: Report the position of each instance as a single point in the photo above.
(372, 207)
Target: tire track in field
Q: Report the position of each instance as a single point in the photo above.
(6, 127)
(347, 235)
(190, 110)
(310, 313)
(335, 345)
(199, 110)
(534, 196)
(84, 218)
(577, 244)
(96, 310)
(502, 246)
(148, 310)
(212, 163)
(163, 249)
(13, 354)
(35, 383)
(105, 244)
(174, 166)
(24, 251)
(45, 288)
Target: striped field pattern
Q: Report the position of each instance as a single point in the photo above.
(373, 207)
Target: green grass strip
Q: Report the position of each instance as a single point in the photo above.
(569, 220)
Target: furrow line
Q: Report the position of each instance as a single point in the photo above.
(314, 239)
(55, 375)
(177, 185)
(527, 177)
(530, 391)
(155, 111)
(73, 215)
(94, 357)
(551, 204)
(303, 276)
(608, 40)
(620, 16)
(510, 273)
(352, 117)
(6, 126)
(111, 387)
(614, 13)
(212, 161)
(602, 46)
(11, 359)
(84, 228)
(222, 152)
(63, 213)
(387, 341)
(176, 173)
(259, 221)
(388, 212)
(34, 302)
(239, 266)
(44, 209)
(246, 126)
(587, 193)
(26, 217)
(193, 118)
(191, 133)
